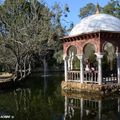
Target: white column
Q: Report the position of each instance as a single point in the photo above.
(99, 108)
(99, 58)
(118, 104)
(118, 67)
(65, 58)
(80, 57)
(69, 64)
(65, 114)
(81, 107)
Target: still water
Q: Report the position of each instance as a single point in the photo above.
(39, 98)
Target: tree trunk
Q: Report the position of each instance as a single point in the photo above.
(45, 66)
(21, 74)
(24, 67)
(29, 69)
(16, 69)
(45, 74)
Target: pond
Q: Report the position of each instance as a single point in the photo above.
(40, 98)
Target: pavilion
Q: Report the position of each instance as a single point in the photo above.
(92, 54)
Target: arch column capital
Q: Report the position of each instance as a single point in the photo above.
(118, 54)
(80, 56)
(99, 55)
(71, 57)
(65, 57)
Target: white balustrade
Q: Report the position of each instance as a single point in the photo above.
(91, 76)
(111, 78)
(74, 76)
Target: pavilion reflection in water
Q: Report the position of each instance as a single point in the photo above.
(91, 109)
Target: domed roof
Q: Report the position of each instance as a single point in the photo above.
(96, 23)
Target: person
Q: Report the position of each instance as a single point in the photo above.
(87, 65)
(92, 69)
(93, 72)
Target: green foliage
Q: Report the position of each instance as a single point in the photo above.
(30, 28)
(26, 29)
(105, 62)
(59, 14)
(89, 9)
(112, 8)
(59, 56)
(92, 58)
(76, 63)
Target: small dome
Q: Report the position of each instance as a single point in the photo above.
(96, 23)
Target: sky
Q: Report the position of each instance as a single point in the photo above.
(74, 6)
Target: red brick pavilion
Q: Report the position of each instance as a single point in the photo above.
(92, 54)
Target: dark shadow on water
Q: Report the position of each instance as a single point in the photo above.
(31, 99)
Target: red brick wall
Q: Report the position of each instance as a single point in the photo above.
(112, 38)
(80, 44)
(97, 39)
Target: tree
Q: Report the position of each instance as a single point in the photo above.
(118, 8)
(59, 16)
(26, 29)
(29, 29)
(112, 8)
(89, 9)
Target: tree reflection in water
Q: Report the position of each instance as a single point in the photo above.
(31, 102)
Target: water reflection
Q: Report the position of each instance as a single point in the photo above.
(33, 100)
(92, 109)
(22, 99)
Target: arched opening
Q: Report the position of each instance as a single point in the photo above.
(72, 50)
(90, 61)
(73, 61)
(109, 62)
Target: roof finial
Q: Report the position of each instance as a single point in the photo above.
(97, 9)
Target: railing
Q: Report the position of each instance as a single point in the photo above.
(75, 103)
(91, 104)
(110, 78)
(73, 75)
(91, 76)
